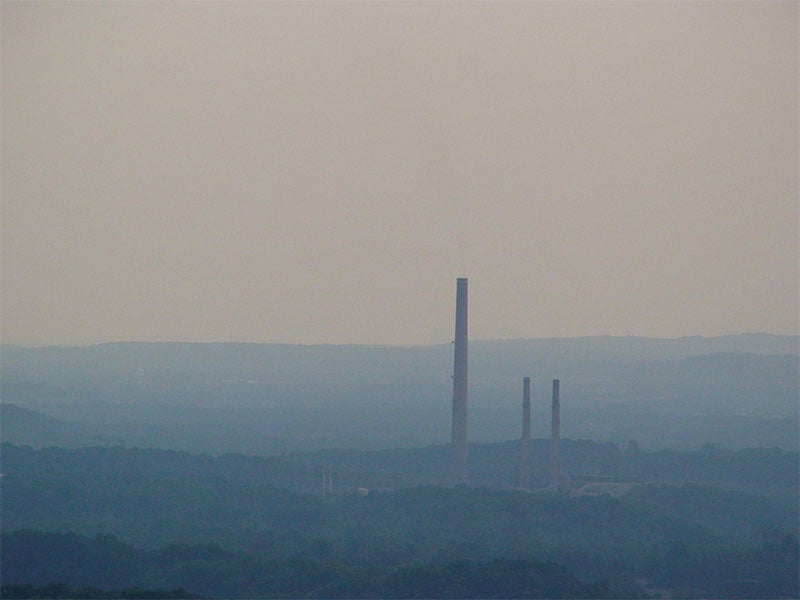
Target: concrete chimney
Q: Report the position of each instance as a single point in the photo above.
(555, 437)
(459, 439)
(525, 441)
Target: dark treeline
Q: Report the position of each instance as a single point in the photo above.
(61, 591)
(219, 515)
(238, 574)
(767, 572)
(105, 472)
(770, 471)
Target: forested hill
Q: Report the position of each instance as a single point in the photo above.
(234, 526)
(734, 391)
(769, 472)
(105, 561)
(149, 496)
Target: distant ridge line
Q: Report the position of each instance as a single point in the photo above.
(763, 337)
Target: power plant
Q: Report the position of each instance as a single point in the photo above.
(460, 471)
(459, 439)
(531, 470)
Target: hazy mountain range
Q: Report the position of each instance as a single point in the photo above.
(736, 391)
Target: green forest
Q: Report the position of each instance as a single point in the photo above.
(243, 526)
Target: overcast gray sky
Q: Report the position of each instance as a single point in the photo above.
(321, 172)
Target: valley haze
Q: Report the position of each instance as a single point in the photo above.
(198, 466)
(736, 391)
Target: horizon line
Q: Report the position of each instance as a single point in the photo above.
(379, 345)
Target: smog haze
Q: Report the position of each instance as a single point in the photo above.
(322, 172)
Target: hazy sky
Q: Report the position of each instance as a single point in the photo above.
(321, 172)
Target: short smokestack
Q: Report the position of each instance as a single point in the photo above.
(555, 437)
(459, 439)
(525, 441)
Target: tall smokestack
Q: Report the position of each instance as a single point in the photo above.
(459, 439)
(525, 442)
(555, 437)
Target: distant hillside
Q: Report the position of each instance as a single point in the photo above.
(261, 398)
(643, 348)
(260, 358)
(19, 425)
(16, 417)
(116, 477)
